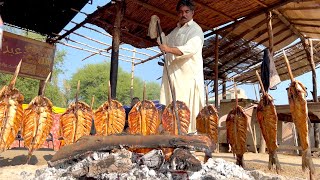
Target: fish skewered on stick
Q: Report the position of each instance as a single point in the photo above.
(143, 117)
(110, 117)
(76, 121)
(10, 112)
(268, 119)
(207, 120)
(37, 121)
(299, 112)
(237, 123)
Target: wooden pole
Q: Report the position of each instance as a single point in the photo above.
(270, 33)
(115, 47)
(315, 95)
(216, 71)
(224, 89)
(41, 84)
(132, 73)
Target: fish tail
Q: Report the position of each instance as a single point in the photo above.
(307, 162)
(273, 160)
(240, 161)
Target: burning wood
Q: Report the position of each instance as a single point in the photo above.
(37, 122)
(110, 117)
(10, 112)
(299, 112)
(76, 121)
(88, 144)
(268, 119)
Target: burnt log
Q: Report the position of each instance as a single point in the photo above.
(89, 144)
(183, 160)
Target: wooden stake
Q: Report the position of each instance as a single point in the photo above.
(45, 83)
(288, 66)
(92, 101)
(260, 82)
(15, 75)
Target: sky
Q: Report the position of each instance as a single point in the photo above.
(149, 71)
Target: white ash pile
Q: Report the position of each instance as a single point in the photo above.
(123, 164)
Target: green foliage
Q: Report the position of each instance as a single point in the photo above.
(94, 82)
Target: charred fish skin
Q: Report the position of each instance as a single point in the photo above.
(299, 112)
(10, 116)
(236, 124)
(268, 119)
(207, 122)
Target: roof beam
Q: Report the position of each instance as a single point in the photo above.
(156, 9)
(299, 8)
(250, 16)
(212, 9)
(283, 39)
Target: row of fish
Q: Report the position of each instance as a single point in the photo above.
(237, 123)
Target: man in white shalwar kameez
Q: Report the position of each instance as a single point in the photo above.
(183, 48)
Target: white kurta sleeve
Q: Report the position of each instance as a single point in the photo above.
(190, 48)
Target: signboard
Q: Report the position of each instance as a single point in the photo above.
(37, 57)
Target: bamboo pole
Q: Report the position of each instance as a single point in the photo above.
(107, 50)
(132, 73)
(224, 89)
(288, 66)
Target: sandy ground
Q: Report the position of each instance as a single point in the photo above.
(12, 163)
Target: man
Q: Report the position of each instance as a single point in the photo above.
(183, 50)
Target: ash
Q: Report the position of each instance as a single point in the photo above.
(125, 165)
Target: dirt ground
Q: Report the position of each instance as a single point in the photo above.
(12, 163)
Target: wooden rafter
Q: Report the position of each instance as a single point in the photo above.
(250, 16)
(154, 8)
(214, 10)
(306, 25)
(300, 8)
(257, 35)
(240, 62)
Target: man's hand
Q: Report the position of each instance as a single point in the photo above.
(167, 49)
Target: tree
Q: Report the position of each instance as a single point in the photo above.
(94, 81)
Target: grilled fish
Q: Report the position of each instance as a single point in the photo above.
(143, 118)
(37, 123)
(75, 122)
(10, 112)
(207, 122)
(267, 118)
(299, 112)
(169, 121)
(110, 119)
(237, 123)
